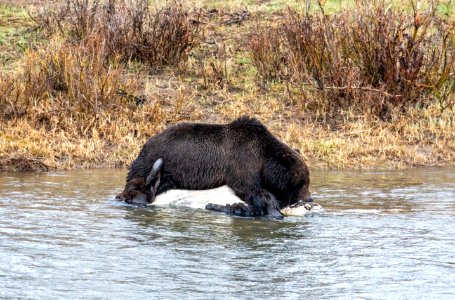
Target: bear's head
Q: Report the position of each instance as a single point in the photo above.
(135, 192)
(299, 181)
(141, 191)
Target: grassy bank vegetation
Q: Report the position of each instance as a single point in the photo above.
(352, 85)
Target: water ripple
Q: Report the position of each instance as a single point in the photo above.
(382, 235)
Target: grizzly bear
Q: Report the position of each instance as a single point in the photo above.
(261, 170)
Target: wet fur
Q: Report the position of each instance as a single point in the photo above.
(264, 172)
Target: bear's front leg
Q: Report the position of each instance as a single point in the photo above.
(264, 203)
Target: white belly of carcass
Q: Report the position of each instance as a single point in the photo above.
(197, 199)
(222, 196)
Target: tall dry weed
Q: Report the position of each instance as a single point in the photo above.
(213, 68)
(268, 55)
(130, 29)
(66, 84)
(374, 59)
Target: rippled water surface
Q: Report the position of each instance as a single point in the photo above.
(383, 235)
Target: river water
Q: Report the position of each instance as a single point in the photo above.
(383, 235)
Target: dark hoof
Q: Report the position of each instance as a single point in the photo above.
(211, 206)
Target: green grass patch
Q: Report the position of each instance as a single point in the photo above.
(17, 34)
(9, 12)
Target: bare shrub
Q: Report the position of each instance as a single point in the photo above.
(404, 55)
(375, 59)
(69, 81)
(130, 29)
(213, 68)
(268, 55)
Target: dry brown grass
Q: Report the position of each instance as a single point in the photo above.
(78, 103)
(70, 105)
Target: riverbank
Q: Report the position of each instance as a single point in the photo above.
(64, 108)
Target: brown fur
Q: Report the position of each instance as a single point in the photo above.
(263, 172)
